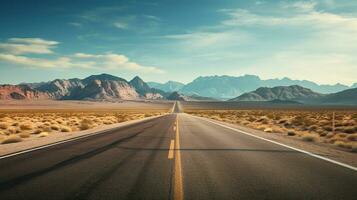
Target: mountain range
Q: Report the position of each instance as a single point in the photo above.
(293, 92)
(102, 86)
(227, 87)
(170, 86)
(299, 94)
(210, 88)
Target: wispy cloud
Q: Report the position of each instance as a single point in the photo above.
(28, 45)
(115, 61)
(14, 52)
(61, 62)
(296, 39)
(309, 17)
(121, 25)
(75, 24)
(115, 17)
(207, 39)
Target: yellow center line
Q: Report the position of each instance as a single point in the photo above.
(178, 190)
(171, 151)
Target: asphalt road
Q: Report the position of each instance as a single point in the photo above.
(176, 156)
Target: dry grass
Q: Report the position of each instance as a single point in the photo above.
(308, 125)
(66, 129)
(16, 126)
(4, 125)
(308, 137)
(26, 126)
(43, 134)
(11, 139)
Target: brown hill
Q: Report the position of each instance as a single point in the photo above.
(21, 92)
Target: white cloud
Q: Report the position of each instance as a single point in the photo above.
(311, 18)
(302, 6)
(76, 24)
(20, 46)
(121, 25)
(116, 61)
(61, 62)
(14, 49)
(209, 40)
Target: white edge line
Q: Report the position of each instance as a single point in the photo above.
(284, 145)
(72, 139)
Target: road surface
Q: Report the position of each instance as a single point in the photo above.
(176, 156)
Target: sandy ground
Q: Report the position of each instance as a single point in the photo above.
(230, 105)
(65, 105)
(57, 137)
(317, 148)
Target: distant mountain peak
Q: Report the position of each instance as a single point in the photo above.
(103, 77)
(169, 86)
(284, 93)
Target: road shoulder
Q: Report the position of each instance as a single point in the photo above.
(59, 137)
(320, 149)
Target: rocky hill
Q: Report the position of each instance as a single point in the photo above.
(293, 92)
(96, 87)
(21, 92)
(180, 97)
(227, 87)
(346, 97)
(144, 90)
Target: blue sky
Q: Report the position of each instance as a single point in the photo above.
(178, 40)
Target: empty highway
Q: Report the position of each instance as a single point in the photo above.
(176, 156)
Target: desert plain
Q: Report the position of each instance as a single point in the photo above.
(26, 120)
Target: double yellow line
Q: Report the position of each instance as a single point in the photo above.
(175, 145)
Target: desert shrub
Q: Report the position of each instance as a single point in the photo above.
(327, 128)
(348, 123)
(282, 121)
(43, 134)
(343, 144)
(308, 137)
(269, 130)
(287, 124)
(263, 120)
(349, 130)
(341, 135)
(66, 129)
(313, 127)
(12, 130)
(37, 131)
(24, 135)
(26, 126)
(324, 122)
(323, 134)
(297, 121)
(291, 133)
(11, 139)
(55, 127)
(108, 122)
(330, 135)
(4, 125)
(86, 124)
(352, 137)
